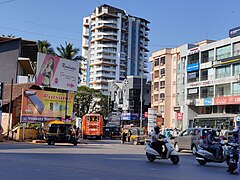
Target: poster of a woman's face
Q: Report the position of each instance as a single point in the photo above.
(47, 72)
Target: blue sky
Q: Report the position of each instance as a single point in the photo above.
(172, 22)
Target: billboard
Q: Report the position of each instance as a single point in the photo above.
(234, 32)
(40, 106)
(56, 72)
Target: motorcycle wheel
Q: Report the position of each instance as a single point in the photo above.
(151, 159)
(201, 162)
(175, 159)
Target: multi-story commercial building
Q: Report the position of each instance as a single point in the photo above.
(205, 91)
(125, 97)
(163, 99)
(114, 45)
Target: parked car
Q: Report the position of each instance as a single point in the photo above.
(190, 138)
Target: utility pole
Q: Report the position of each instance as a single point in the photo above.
(141, 95)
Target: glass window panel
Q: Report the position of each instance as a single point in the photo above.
(222, 72)
(223, 52)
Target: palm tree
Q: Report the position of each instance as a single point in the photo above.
(68, 52)
(45, 47)
(9, 35)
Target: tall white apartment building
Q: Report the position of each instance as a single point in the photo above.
(114, 46)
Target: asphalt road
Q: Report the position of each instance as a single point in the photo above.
(104, 159)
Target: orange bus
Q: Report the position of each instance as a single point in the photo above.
(92, 126)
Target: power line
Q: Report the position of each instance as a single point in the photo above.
(39, 24)
(4, 2)
(59, 37)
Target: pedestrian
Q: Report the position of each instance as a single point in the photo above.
(123, 137)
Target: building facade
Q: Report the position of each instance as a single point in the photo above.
(114, 46)
(17, 57)
(125, 97)
(163, 87)
(204, 84)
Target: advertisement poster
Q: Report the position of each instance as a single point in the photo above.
(56, 72)
(40, 106)
(152, 118)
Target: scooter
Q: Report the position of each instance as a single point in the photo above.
(234, 150)
(204, 154)
(168, 152)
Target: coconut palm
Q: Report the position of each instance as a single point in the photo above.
(45, 47)
(9, 35)
(69, 52)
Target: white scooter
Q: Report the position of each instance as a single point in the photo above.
(204, 155)
(168, 152)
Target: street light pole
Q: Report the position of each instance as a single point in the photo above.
(141, 94)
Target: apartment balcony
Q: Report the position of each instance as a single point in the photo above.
(110, 69)
(107, 14)
(107, 33)
(105, 57)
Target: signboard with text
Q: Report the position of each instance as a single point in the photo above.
(179, 116)
(56, 72)
(224, 100)
(40, 106)
(192, 67)
(152, 118)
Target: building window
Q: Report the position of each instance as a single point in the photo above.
(193, 76)
(207, 56)
(162, 61)
(236, 89)
(236, 69)
(156, 84)
(223, 90)
(207, 92)
(156, 62)
(192, 93)
(155, 97)
(161, 109)
(156, 74)
(193, 58)
(236, 49)
(222, 72)
(223, 52)
(204, 74)
(162, 84)
(162, 96)
(162, 73)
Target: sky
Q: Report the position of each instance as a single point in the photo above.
(172, 22)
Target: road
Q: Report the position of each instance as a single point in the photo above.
(104, 159)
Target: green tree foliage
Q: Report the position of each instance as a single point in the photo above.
(45, 47)
(69, 52)
(88, 100)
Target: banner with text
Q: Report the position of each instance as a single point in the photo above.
(56, 72)
(40, 106)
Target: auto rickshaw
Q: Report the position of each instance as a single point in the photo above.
(115, 133)
(61, 133)
(135, 135)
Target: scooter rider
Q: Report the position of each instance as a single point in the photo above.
(211, 140)
(234, 138)
(157, 139)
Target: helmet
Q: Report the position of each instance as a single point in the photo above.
(235, 133)
(157, 129)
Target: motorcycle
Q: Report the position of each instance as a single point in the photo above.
(168, 152)
(204, 154)
(233, 153)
